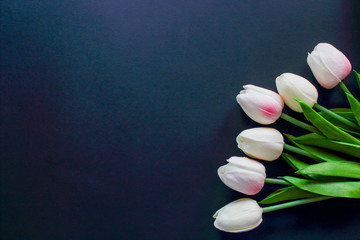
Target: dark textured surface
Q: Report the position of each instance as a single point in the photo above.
(115, 115)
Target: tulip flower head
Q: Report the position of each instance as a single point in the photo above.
(243, 174)
(328, 64)
(291, 86)
(238, 216)
(261, 143)
(260, 104)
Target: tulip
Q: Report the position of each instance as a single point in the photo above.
(291, 86)
(243, 174)
(260, 104)
(261, 143)
(328, 64)
(238, 216)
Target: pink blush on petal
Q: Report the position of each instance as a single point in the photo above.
(270, 110)
(254, 188)
(345, 68)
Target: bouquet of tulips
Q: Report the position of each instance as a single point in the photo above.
(325, 160)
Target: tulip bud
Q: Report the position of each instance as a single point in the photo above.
(291, 86)
(241, 215)
(261, 143)
(243, 174)
(260, 104)
(328, 64)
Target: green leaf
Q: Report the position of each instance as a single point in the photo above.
(354, 133)
(294, 162)
(291, 138)
(341, 110)
(321, 154)
(355, 106)
(328, 129)
(344, 112)
(348, 189)
(334, 169)
(357, 76)
(286, 194)
(314, 139)
(345, 123)
(317, 154)
(337, 123)
(340, 125)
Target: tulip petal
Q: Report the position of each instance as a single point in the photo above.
(329, 65)
(260, 108)
(261, 105)
(272, 94)
(321, 72)
(238, 216)
(243, 175)
(334, 60)
(291, 86)
(261, 143)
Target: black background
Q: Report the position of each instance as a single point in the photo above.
(115, 115)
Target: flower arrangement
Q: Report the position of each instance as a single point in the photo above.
(328, 165)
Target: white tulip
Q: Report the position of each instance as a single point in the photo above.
(261, 143)
(260, 104)
(238, 216)
(243, 174)
(291, 86)
(328, 64)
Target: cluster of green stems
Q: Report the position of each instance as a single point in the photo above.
(305, 153)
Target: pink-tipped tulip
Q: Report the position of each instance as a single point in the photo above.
(243, 174)
(260, 104)
(328, 64)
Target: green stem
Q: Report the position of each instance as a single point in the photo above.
(297, 150)
(276, 181)
(336, 116)
(344, 88)
(293, 204)
(299, 123)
